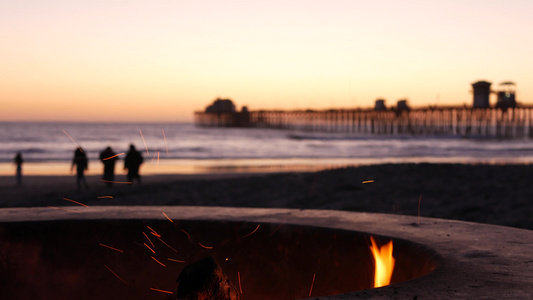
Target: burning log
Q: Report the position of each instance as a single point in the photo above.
(205, 279)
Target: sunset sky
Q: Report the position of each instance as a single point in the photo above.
(133, 60)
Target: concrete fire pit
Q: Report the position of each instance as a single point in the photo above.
(450, 259)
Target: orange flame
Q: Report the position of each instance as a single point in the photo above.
(384, 263)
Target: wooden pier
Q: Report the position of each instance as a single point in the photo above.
(448, 121)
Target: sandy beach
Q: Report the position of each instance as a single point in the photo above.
(494, 194)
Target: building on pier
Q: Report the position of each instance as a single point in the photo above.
(223, 113)
(380, 105)
(402, 105)
(506, 95)
(221, 106)
(481, 94)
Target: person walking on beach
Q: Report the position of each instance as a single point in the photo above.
(18, 162)
(132, 163)
(108, 158)
(82, 163)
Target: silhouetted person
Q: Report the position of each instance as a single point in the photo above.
(18, 162)
(82, 163)
(132, 162)
(108, 158)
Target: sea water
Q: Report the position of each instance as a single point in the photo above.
(48, 148)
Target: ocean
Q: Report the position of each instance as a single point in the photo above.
(48, 148)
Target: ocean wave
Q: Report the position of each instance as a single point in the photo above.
(47, 142)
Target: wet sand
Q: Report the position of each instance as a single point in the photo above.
(494, 194)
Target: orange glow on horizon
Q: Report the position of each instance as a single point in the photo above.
(66, 61)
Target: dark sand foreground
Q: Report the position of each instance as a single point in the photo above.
(495, 194)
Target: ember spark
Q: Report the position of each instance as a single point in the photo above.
(149, 248)
(162, 291)
(188, 235)
(167, 217)
(249, 234)
(158, 261)
(147, 153)
(275, 229)
(153, 232)
(111, 247)
(73, 140)
(419, 200)
(75, 202)
(167, 245)
(149, 239)
(166, 146)
(240, 286)
(204, 246)
(312, 283)
(116, 274)
(113, 156)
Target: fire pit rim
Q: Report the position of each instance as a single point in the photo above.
(477, 260)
